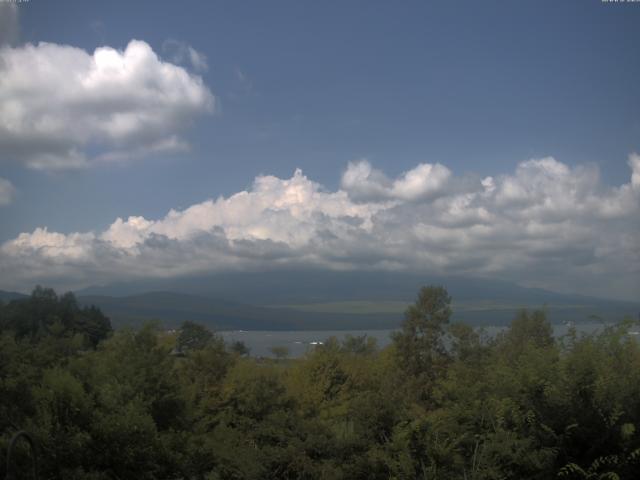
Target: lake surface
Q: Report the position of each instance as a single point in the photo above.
(299, 342)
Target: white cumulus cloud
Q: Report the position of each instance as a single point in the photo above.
(545, 224)
(62, 107)
(363, 182)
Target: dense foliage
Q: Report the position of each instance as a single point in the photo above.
(442, 401)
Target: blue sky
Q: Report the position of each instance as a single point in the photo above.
(479, 87)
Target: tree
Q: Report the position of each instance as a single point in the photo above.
(533, 328)
(45, 315)
(239, 348)
(519, 406)
(280, 352)
(193, 336)
(359, 345)
(419, 346)
(92, 323)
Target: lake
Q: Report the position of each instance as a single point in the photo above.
(300, 342)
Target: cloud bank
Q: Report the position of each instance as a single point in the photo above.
(545, 224)
(61, 107)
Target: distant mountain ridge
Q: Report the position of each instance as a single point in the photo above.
(322, 300)
(173, 308)
(281, 287)
(8, 296)
(290, 300)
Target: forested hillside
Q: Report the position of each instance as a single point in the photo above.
(442, 402)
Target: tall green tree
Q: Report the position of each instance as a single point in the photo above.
(419, 345)
(193, 336)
